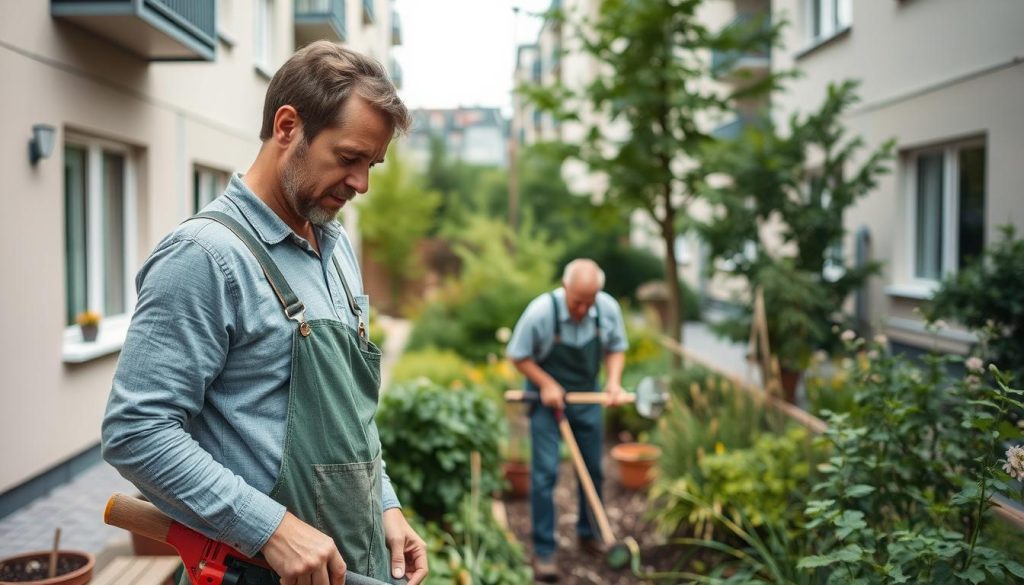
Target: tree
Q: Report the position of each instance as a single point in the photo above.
(802, 183)
(651, 65)
(394, 219)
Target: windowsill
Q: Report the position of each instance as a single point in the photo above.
(918, 328)
(822, 42)
(110, 340)
(226, 39)
(263, 71)
(920, 290)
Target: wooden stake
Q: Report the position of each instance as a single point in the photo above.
(53, 553)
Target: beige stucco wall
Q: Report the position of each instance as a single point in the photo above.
(173, 115)
(931, 73)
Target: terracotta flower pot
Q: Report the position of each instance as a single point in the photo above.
(635, 461)
(517, 475)
(73, 568)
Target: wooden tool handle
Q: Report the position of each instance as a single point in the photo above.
(138, 516)
(588, 484)
(570, 397)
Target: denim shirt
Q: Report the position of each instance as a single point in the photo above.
(197, 413)
(533, 336)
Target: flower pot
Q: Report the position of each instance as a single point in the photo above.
(635, 461)
(89, 332)
(517, 476)
(73, 568)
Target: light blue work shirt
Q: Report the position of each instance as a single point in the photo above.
(196, 416)
(534, 334)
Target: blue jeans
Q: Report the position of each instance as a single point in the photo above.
(587, 422)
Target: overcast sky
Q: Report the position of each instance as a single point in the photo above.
(462, 52)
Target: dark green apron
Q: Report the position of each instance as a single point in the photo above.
(330, 473)
(575, 368)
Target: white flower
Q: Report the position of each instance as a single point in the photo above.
(848, 335)
(940, 324)
(1015, 462)
(973, 381)
(503, 334)
(881, 339)
(821, 356)
(873, 354)
(974, 364)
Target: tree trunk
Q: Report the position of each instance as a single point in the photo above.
(674, 323)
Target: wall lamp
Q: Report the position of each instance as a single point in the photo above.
(41, 145)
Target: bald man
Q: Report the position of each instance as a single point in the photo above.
(559, 344)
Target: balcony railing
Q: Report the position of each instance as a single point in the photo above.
(727, 63)
(319, 19)
(158, 30)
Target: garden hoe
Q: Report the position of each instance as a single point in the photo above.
(650, 401)
(207, 562)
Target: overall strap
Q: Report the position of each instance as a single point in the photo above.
(597, 324)
(293, 307)
(558, 324)
(352, 305)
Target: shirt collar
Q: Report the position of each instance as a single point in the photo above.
(269, 227)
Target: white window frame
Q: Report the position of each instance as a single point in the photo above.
(836, 18)
(263, 36)
(112, 327)
(218, 177)
(916, 286)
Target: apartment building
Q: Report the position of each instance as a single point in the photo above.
(124, 117)
(474, 135)
(944, 78)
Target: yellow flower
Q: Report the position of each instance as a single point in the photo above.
(719, 448)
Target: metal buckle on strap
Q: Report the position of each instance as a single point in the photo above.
(299, 316)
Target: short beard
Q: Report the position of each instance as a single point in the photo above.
(302, 200)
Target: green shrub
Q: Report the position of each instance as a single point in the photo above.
(703, 412)
(427, 433)
(441, 366)
(475, 549)
(491, 292)
(988, 296)
(761, 484)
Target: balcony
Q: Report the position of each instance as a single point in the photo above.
(319, 20)
(369, 16)
(733, 65)
(396, 29)
(156, 30)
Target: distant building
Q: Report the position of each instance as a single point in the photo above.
(147, 108)
(473, 135)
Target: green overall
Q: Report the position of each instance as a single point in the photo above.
(330, 473)
(576, 369)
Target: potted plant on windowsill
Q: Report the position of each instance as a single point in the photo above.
(89, 323)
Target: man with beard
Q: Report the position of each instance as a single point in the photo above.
(244, 398)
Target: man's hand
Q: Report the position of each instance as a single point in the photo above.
(552, 395)
(408, 551)
(299, 553)
(615, 394)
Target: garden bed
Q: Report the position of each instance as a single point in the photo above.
(627, 513)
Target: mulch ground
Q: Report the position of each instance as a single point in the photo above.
(628, 514)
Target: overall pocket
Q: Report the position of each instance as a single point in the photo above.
(348, 509)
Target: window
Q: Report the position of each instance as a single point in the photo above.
(207, 185)
(263, 35)
(98, 227)
(828, 18)
(947, 199)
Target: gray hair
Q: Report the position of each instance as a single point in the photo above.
(575, 267)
